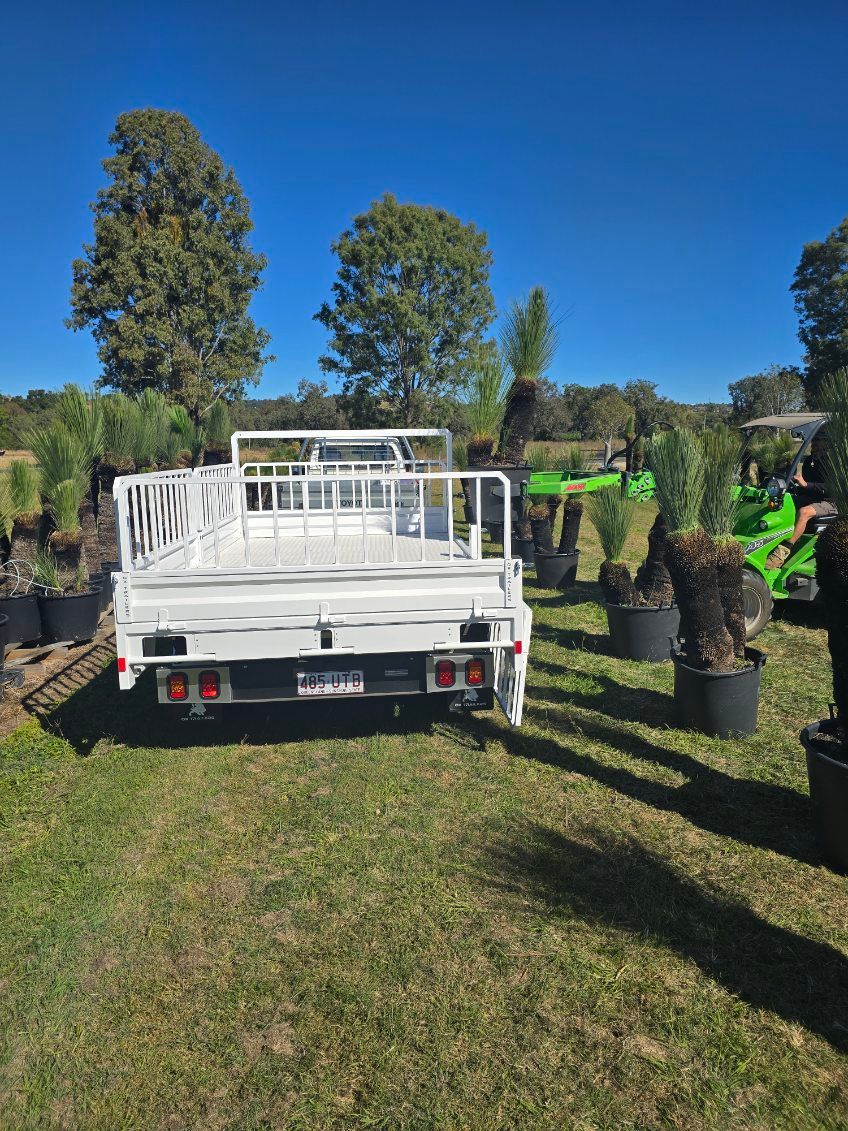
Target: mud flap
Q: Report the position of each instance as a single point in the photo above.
(472, 699)
(510, 671)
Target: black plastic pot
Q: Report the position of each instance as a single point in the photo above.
(24, 618)
(642, 632)
(496, 532)
(558, 571)
(4, 625)
(491, 492)
(828, 780)
(71, 616)
(95, 581)
(110, 566)
(721, 704)
(523, 548)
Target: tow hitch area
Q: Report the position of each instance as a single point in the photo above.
(473, 699)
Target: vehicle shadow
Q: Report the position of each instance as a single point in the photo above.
(618, 883)
(579, 594)
(574, 638)
(98, 710)
(762, 814)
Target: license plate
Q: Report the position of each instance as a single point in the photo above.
(330, 683)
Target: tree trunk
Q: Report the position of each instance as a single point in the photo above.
(691, 561)
(68, 548)
(540, 525)
(730, 558)
(517, 427)
(832, 575)
(653, 581)
(572, 512)
(616, 584)
(24, 540)
(480, 450)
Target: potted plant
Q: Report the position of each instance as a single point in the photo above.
(81, 415)
(65, 539)
(17, 601)
(641, 614)
(120, 441)
(825, 741)
(69, 607)
(486, 402)
(529, 342)
(556, 568)
(719, 510)
(713, 691)
(219, 430)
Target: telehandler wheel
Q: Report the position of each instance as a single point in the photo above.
(758, 602)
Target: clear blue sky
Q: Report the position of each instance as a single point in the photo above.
(658, 171)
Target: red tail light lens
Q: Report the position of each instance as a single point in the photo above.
(445, 673)
(210, 685)
(177, 686)
(474, 672)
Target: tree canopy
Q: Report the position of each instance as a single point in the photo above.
(410, 303)
(780, 388)
(166, 285)
(821, 300)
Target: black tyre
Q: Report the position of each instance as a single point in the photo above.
(758, 602)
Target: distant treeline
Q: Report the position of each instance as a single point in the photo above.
(569, 412)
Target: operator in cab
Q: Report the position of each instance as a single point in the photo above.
(810, 501)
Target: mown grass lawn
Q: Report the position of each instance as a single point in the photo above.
(342, 916)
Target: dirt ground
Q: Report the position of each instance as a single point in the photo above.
(53, 676)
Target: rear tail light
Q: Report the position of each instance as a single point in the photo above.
(210, 685)
(177, 685)
(474, 672)
(519, 647)
(445, 673)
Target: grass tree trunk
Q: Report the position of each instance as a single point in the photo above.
(572, 513)
(518, 422)
(68, 548)
(616, 583)
(730, 558)
(653, 581)
(691, 559)
(832, 574)
(25, 537)
(540, 526)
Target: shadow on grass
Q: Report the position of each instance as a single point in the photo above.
(99, 710)
(574, 638)
(761, 814)
(619, 884)
(618, 700)
(581, 593)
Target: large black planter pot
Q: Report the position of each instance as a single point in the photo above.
(721, 704)
(491, 492)
(558, 571)
(98, 581)
(4, 625)
(73, 616)
(110, 566)
(24, 618)
(642, 632)
(828, 779)
(523, 548)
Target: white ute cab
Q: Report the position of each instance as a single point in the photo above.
(339, 574)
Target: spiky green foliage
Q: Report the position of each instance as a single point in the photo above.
(120, 422)
(217, 424)
(82, 416)
(61, 455)
(834, 401)
(460, 455)
(64, 505)
(529, 337)
(722, 468)
(487, 397)
(540, 457)
(192, 437)
(572, 459)
(772, 452)
(676, 459)
(24, 488)
(611, 513)
(46, 571)
(6, 512)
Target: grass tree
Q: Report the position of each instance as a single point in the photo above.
(653, 581)
(677, 461)
(120, 445)
(832, 548)
(543, 512)
(25, 510)
(611, 513)
(719, 509)
(65, 541)
(191, 436)
(528, 342)
(81, 414)
(219, 430)
(572, 503)
(485, 406)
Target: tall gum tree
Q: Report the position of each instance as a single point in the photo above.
(166, 284)
(410, 303)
